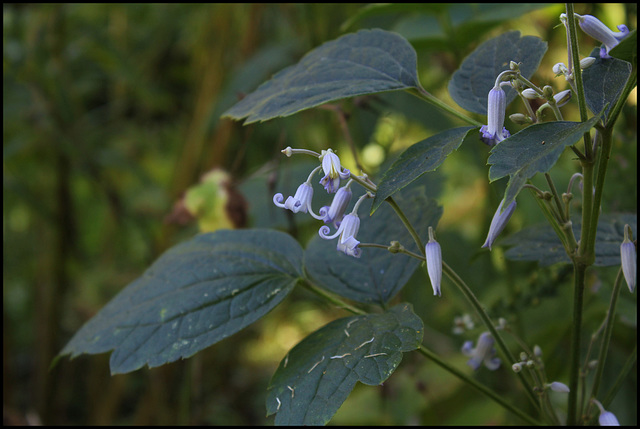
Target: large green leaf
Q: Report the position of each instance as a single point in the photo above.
(365, 62)
(477, 74)
(318, 374)
(418, 159)
(378, 274)
(533, 150)
(194, 295)
(540, 242)
(604, 82)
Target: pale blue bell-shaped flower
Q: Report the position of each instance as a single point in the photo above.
(494, 132)
(628, 259)
(347, 242)
(484, 352)
(433, 254)
(335, 212)
(498, 222)
(333, 171)
(596, 29)
(300, 202)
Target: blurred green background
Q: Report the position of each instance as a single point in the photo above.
(111, 116)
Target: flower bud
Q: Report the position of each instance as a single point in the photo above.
(629, 259)
(562, 97)
(560, 68)
(434, 263)
(516, 367)
(556, 386)
(499, 221)
(530, 93)
(520, 119)
(585, 63)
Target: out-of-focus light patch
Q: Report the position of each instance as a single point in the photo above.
(461, 206)
(19, 219)
(372, 155)
(633, 97)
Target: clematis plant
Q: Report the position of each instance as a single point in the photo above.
(215, 285)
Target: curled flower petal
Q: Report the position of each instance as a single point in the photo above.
(596, 29)
(300, 202)
(498, 223)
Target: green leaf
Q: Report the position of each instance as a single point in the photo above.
(194, 295)
(418, 159)
(378, 274)
(604, 82)
(627, 49)
(318, 374)
(533, 150)
(477, 74)
(540, 242)
(365, 62)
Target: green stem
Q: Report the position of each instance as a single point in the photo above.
(606, 339)
(579, 270)
(624, 373)
(422, 94)
(577, 75)
(480, 387)
(406, 223)
(332, 298)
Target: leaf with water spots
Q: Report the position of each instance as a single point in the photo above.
(318, 374)
(196, 294)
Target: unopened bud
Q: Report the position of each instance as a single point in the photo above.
(513, 65)
(547, 91)
(531, 364)
(288, 151)
(516, 367)
(562, 97)
(537, 351)
(585, 63)
(520, 119)
(530, 93)
(559, 69)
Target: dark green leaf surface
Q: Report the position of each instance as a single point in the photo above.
(477, 74)
(365, 62)
(627, 49)
(194, 295)
(540, 242)
(604, 81)
(418, 159)
(378, 274)
(318, 374)
(533, 150)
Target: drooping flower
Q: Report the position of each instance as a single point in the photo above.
(434, 262)
(347, 242)
(484, 352)
(629, 259)
(498, 222)
(335, 212)
(494, 132)
(607, 418)
(301, 201)
(562, 97)
(596, 29)
(347, 231)
(333, 171)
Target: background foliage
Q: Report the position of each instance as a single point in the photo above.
(111, 114)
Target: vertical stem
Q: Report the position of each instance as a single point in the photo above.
(579, 270)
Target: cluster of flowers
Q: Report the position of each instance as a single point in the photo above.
(347, 226)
